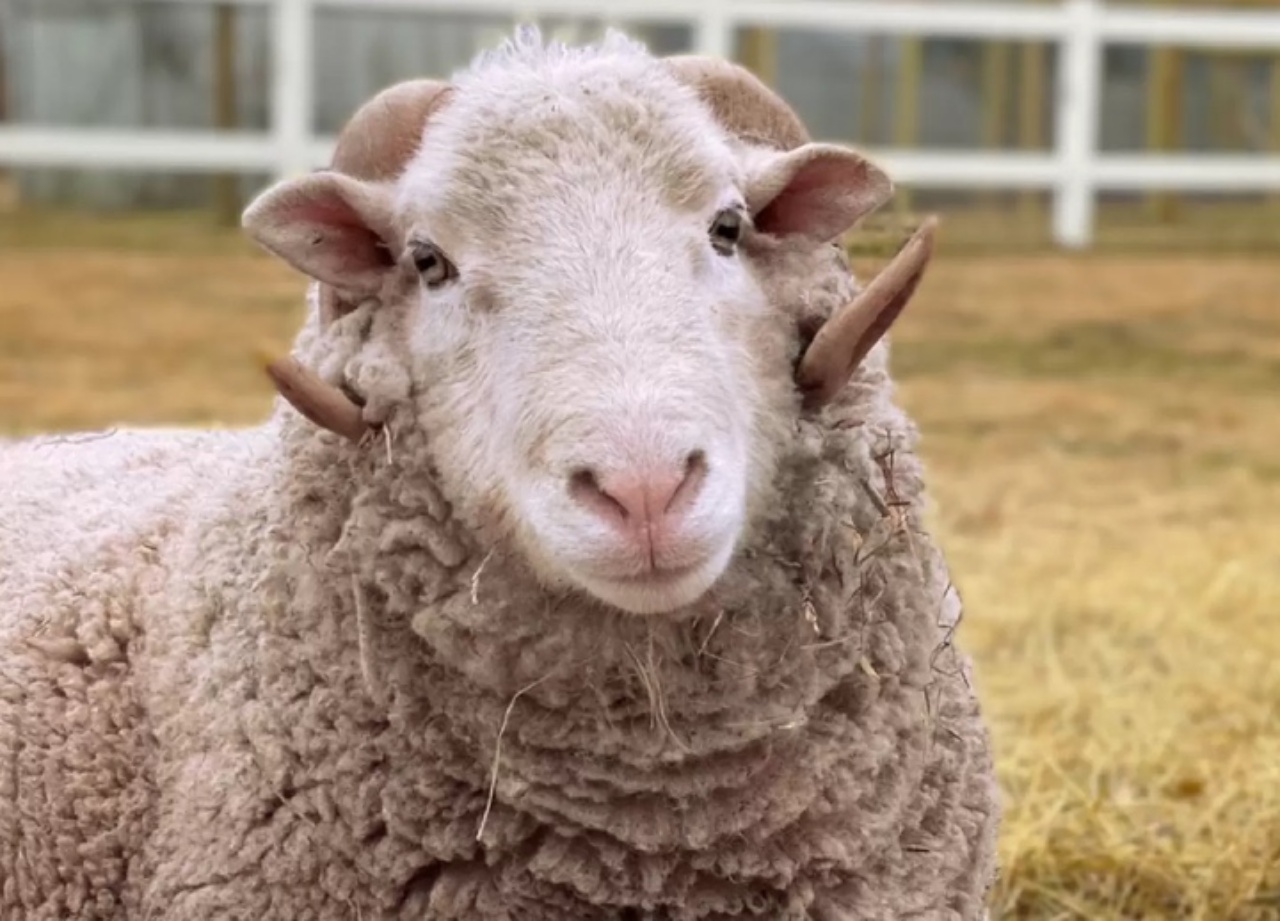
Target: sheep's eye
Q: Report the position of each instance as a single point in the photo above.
(431, 264)
(726, 230)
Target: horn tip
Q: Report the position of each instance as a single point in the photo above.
(266, 357)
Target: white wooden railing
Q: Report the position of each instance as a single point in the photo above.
(1075, 171)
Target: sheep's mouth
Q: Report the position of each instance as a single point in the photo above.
(659, 590)
(659, 575)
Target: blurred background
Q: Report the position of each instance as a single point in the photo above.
(1093, 359)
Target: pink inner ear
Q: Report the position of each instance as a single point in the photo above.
(338, 229)
(821, 200)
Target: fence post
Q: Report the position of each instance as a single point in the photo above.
(1078, 115)
(8, 181)
(713, 29)
(292, 49)
(226, 186)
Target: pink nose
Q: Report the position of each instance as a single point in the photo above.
(643, 502)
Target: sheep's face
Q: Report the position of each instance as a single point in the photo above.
(601, 362)
(577, 253)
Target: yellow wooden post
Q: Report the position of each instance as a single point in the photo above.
(1220, 114)
(994, 93)
(995, 89)
(871, 91)
(906, 112)
(1238, 80)
(226, 191)
(1274, 115)
(8, 187)
(759, 53)
(1164, 119)
(1031, 98)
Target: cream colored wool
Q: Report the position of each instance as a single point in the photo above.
(270, 674)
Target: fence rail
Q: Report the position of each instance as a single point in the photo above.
(1075, 171)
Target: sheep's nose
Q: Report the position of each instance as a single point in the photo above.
(644, 501)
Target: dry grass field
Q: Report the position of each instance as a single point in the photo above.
(1103, 435)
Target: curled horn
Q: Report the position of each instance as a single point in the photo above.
(741, 101)
(850, 333)
(375, 145)
(749, 109)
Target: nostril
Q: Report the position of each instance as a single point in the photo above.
(584, 486)
(583, 478)
(695, 472)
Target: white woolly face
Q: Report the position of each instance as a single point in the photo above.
(605, 398)
(594, 343)
(576, 254)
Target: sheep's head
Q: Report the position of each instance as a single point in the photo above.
(576, 248)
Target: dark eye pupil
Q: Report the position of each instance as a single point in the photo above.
(727, 228)
(431, 264)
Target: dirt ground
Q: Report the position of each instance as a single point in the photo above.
(1102, 436)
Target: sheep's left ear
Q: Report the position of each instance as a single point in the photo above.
(332, 227)
(851, 332)
(816, 191)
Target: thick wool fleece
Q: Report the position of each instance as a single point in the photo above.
(268, 675)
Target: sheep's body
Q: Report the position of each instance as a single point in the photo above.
(206, 747)
(85, 542)
(266, 674)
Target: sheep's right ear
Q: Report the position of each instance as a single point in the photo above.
(816, 192)
(329, 226)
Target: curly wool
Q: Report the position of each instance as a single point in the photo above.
(267, 674)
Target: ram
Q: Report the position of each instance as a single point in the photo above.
(579, 572)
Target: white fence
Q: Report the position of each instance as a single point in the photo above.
(1075, 171)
